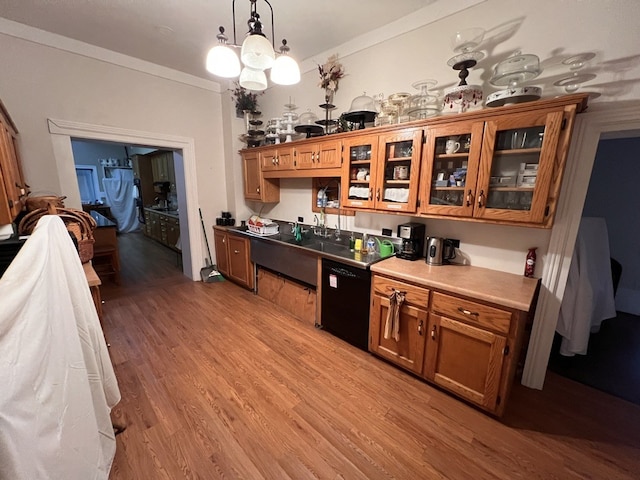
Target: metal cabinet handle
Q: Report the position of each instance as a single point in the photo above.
(370, 193)
(468, 312)
(273, 160)
(313, 156)
(277, 160)
(420, 325)
(481, 198)
(257, 189)
(378, 194)
(433, 333)
(469, 198)
(236, 251)
(318, 157)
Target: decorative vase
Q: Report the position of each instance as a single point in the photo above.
(328, 96)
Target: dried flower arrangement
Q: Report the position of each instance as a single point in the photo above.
(330, 73)
(245, 100)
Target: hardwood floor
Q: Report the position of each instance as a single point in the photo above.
(218, 383)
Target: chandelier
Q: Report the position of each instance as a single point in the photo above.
(257, 55)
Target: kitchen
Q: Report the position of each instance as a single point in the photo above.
(500, 247)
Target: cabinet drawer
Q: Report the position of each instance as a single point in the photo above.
(414, 295)
(471, 312)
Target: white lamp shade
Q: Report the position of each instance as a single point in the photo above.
(257, 52)
(285, 71)
(253, 79)
(223, 62)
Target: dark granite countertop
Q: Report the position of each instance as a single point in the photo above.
(327, 247)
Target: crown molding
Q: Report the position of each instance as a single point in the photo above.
(59, 42)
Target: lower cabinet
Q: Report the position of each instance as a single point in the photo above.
(467, 347)
(408, 351)
(465, 360)
(162, 228)
(233, 257)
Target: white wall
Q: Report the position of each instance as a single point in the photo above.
(552, 30)
(612, 195)
(40, 82)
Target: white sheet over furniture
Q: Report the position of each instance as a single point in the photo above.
(588, 297)
(57, 384)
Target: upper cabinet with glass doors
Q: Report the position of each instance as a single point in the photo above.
(505, 169)
(382, 171)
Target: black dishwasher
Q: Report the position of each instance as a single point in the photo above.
(345, 302)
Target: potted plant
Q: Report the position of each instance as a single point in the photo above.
(244, 99)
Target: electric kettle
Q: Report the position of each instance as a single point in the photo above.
(439, 250)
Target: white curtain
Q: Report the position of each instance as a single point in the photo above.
(120, 194)
(57, 384)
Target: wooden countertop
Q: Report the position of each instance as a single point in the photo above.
(92, 277)
(506, 289)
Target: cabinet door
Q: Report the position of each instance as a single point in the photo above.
(255, 185)
(408, 351)
(451, 156)
(305, 155)
(329, 154)
(173, 232)
(12, 188)
(358, 171)
(268, 159)
(285, 158)
(517, 166)
(222, 251)
(240, 268)
(398, 171)
(465, 360)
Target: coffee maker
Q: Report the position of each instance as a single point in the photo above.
(412, 235)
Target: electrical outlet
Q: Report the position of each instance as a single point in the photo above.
(455, 242)
(386, 232)
(301, 219)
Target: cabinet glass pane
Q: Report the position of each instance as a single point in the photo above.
(449, 174)
(397, 171)
(514, 168)
(360, 171)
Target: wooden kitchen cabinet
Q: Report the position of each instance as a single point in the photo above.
(408, 352)
(162, 167)
(474, 326)
(222, 252)
(382, 171)
(505, 169)
(13, 190)
(470, 348)
(277, 158)
(256, 187)
(233, 257)
(318, 155)
(162, 228)
(508, 168)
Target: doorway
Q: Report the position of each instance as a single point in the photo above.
(184, 157)
(613, 354)
(110, 176)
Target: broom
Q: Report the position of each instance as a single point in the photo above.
(208, 273)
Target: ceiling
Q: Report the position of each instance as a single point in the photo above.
(178, 33)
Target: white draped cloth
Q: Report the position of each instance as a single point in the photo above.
(120, 193)
(57, 384)
(588, 297)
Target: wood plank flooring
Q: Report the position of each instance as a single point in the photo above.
(218, 383)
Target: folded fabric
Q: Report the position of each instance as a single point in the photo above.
(397, 194)
(392, 326)
(358, 192)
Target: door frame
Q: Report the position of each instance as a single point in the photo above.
(601, 119)
(63, 130)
